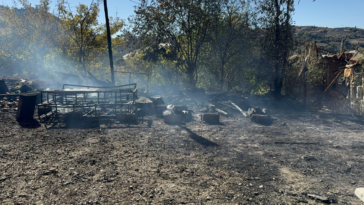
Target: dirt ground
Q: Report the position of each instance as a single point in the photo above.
(302, 158)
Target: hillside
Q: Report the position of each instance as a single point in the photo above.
(330, 38)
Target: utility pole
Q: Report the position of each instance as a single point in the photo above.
(109, 43)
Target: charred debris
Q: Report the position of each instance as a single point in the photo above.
(110, 105)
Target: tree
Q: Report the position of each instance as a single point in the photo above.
(81, 29)
(182, 23)
(88, 37)
(278, 38)
(28, 37)
(228, 34)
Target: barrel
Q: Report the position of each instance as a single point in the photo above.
(26, 106)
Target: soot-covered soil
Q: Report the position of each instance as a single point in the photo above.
(302, 158)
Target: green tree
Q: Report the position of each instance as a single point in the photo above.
(88, 38)
(228, 35)
(182, 23)
(278, 40)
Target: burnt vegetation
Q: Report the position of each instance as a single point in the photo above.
(206, 102)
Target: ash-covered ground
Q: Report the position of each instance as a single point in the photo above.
(302, 158)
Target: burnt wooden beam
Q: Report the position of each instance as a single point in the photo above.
(333, 81)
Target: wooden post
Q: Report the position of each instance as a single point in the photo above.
(26, 106)
(109, 43)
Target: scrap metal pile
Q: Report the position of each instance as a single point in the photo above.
(77, 104)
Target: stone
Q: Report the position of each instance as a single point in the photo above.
(359, 192)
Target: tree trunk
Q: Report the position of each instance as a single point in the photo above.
(190, 72)
(277, 87)
(222, 72)
(192, 79)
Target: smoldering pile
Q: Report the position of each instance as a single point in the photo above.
(182, 103)
(17, 85)
(12, 87)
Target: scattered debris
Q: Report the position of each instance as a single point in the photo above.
(319, 198)
(210, 118)
(258, 111)
(261, 119)
(240, 110)
(221, 112)
(309, 158)
(172, 119)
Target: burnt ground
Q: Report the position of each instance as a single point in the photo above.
(235, 162)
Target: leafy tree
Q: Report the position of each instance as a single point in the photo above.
(229, 35)
(28, 37)
(182, 23)
(278, 40)
(88, 37)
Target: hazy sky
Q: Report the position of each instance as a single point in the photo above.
(324, 13)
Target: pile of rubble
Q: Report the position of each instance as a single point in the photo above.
(16, 85)
(9, 103)
(11, 88)
(181, 104)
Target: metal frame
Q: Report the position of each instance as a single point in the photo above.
(105, 103)
(130, 73)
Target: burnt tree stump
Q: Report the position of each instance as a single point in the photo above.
(26, 106)
(3, 87)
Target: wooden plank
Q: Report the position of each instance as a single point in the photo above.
(240, 110)
(333, 81)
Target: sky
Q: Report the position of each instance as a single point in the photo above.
(322, 13)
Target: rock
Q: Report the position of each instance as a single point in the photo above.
(359, 192)
(261, 187)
